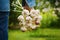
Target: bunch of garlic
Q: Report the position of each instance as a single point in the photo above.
(29, 20)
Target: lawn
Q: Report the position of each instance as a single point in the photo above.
(40, 34)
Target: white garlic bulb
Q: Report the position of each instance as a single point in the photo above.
(23, 29)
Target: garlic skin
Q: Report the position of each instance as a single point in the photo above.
(25, 12)
(20, 18)
(23, 29)
(29, 20)
(33, 27)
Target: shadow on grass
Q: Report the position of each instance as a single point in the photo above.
(47, 37)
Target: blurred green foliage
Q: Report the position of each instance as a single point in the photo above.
(48, 18)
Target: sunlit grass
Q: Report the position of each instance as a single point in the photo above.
(41, 34)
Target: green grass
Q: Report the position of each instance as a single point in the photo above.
(40, 34)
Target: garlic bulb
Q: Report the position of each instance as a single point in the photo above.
(29, 20)
(23, 29)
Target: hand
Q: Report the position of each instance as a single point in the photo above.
(27, 7)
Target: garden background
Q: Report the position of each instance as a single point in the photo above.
(50, 24)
